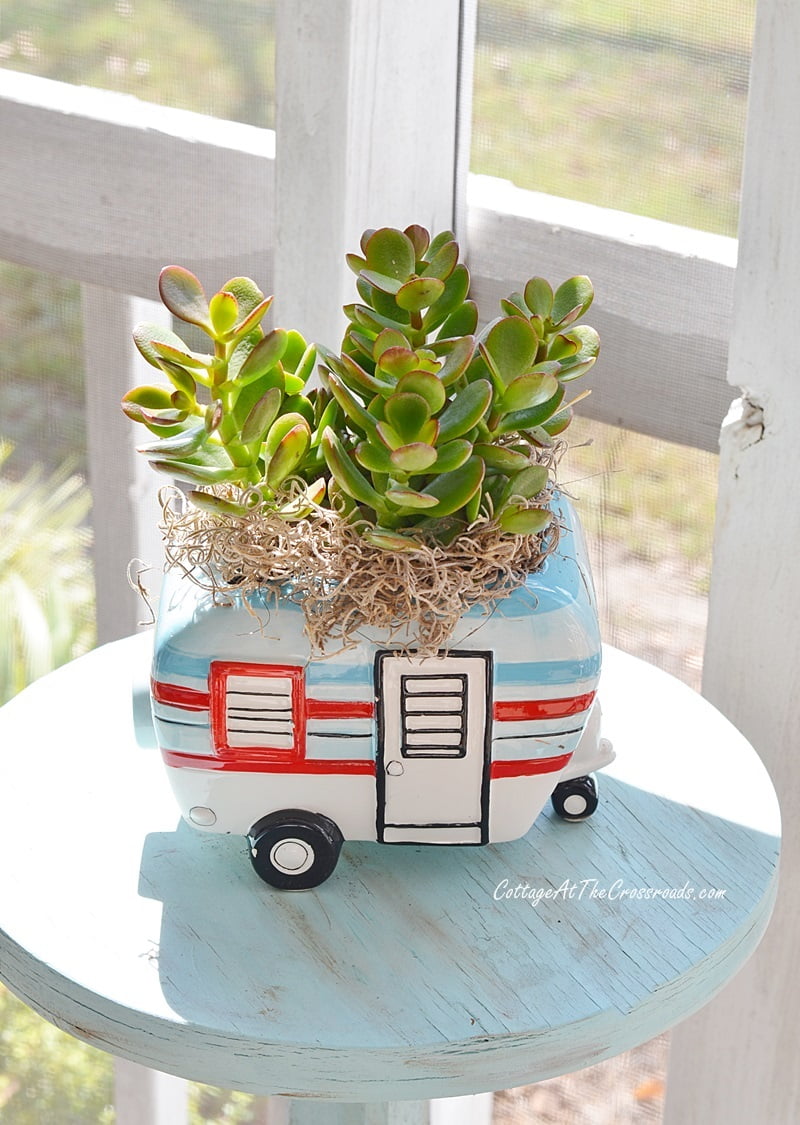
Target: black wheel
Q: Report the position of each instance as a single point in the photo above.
(294, 850)
(575, 799)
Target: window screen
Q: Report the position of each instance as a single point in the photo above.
(46, 578)
(210, 57)
(647, 507)
(629, 104)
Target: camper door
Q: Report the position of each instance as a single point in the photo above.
(433, 753)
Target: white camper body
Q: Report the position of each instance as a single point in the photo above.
(264, 739)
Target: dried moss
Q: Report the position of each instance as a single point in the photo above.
(344, 584)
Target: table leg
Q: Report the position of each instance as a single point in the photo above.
(341, 1113)
(148, 1097)
(471, 1110)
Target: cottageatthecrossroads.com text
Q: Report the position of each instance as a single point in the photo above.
(618, 891)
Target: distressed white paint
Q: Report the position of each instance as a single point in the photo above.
(405, 975)
(663, 298)
(106, 189)
(365, 125)
(125, 509)
(737, 1061)
(99, 225)
(147, 1097)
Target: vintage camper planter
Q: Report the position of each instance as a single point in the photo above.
(299, 752)
(378, 622)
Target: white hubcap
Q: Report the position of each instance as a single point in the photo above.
(292, 856)
(575, 804)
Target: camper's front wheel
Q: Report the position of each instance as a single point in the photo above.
(294, 850)
(575, 799)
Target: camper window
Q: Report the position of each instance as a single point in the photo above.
(257, 709)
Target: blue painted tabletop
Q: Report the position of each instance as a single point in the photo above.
(413, 972)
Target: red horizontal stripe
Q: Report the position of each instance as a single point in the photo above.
(529, 766)
(251, 765)
(193, 700)
(339, 709)
(173, 695)
(509, 709)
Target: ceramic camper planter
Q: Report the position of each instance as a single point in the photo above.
(413, 476)
(300, 753)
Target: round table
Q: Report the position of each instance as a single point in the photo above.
(414, 972)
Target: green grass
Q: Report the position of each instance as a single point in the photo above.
(204, 55)
(719, 24)
(47, 1076)
(632, 106)
(654, 498)
(46, 584)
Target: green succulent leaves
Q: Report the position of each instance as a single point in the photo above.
(237, 415)
(422, 422)
(435, 411)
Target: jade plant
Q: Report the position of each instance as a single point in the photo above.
(238, 415)
(443, 425)
(423, 423)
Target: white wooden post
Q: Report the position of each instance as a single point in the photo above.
(474, 1109)
(366, 131)
(147, 1097)
(270, 1111)
(125, 511)
(736, 1061)
(379, 1113)
(125, 524)
(369, 126)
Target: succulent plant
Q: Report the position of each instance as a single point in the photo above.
(422, 423)
(254, 426)
(444, 425)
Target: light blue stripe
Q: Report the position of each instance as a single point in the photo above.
(181, 736)
(326, 748)
(521, 749)
(171, 662)
(330, 672)
(539, 728)
(350, 728)
(174, 663)
(547, 671)
(181, 715)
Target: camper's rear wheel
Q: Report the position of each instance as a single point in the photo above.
(575, 799)
(294, 849)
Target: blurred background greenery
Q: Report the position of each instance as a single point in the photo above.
(628, 104)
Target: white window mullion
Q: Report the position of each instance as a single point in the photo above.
(366, 129)
(148, 1097)
(468, 25)
(125, 509)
